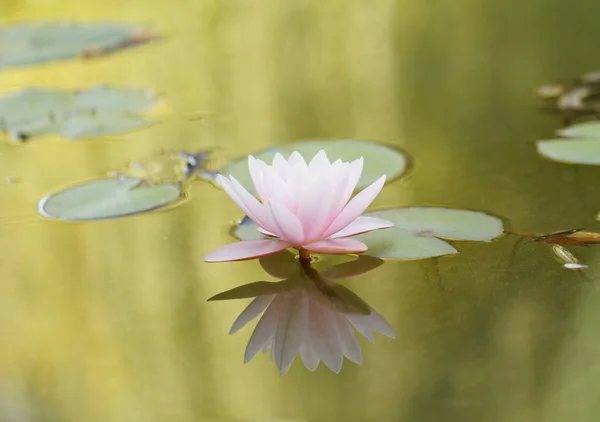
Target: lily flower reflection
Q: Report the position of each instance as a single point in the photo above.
(302, 206)
(307, 313)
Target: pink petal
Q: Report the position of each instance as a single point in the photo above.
(257, 169)
(314, 209)
(266, 232)
(288, 225)
(256, 211)
(295, 160)
(281, 166)
(352, 172)
(362, 225)
(319, 164)
(355, 207)
(337, 246)
(246, 250)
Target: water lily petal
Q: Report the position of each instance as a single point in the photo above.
(257, 169)
(266, 232)
(343, 245)
(362, 225)
(296, 160)
(246, 250)
(276, 188)
(314, 209)
(255, 210)
(254, 309)
(355, 207)
(281, 165)
(228, 188)
(345, 185)
(288, 226)
(320, 164)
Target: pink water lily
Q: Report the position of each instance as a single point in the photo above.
(304, 206)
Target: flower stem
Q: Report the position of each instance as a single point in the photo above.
(304, 255)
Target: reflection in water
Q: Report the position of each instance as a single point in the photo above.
(307, 313)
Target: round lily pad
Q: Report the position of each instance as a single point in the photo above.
(416, 232)
(446, 223)
(397, 243)
(36, 43)
(582, 130)
(97, 111)
(107, 198)
(379, 159)
(573, 151)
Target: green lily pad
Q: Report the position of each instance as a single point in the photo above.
(446, 223)
(582, 130)
(397, 243)
(107, 198)
(97, 111)
(416, 232)
(246, 229)
(379, 159)
(36, 43)
(572, 151)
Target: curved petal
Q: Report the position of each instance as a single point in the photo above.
(266, 232)
(314, 209)
(289, 227)
(246, 250)
(257, 169)
(337, 246)
(320, 164)
(282, 167)
(355, 207)
(256, 211)
(295, 160)
(353, 172)
(362, 225)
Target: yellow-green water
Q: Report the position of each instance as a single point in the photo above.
(107, 321)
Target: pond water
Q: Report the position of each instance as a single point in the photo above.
(108, 321)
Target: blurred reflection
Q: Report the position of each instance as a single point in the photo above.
(307, 313)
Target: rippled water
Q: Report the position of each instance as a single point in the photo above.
(108, 321)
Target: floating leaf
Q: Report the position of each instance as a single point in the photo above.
(107, 198)
(97, 111)
(379, 159)
(87, 125)
(416, 231)
(446, 223)
(104, 97)
(582, 130)
(573, 151)
(397, 243)
(245, 229)
(35, 43)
